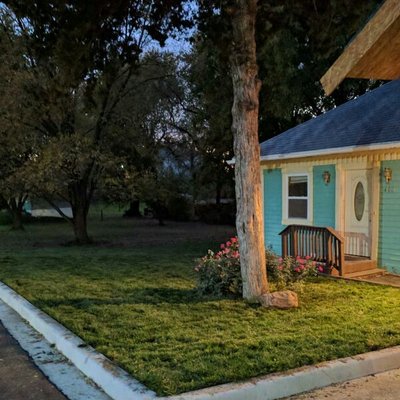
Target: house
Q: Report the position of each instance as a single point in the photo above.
(41, 209)
(332, 184)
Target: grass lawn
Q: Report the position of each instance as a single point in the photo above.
(132, 299)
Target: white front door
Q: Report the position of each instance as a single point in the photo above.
(357, 214)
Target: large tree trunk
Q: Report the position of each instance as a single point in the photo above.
(16, 207)
(17, 220)
(133, 210)
(246, 88)
(80, 224)
(80, 203)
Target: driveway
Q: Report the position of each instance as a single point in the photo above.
(20, 379)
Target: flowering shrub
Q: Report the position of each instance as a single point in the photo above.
(290, 272)
(219, 273)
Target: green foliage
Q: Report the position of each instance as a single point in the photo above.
(179, 208)
(289, 272)
(297, 41)
(137, 305)
(216, 213)
(218, 274)
(83, 60)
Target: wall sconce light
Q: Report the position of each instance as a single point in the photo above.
(326, 176)
(387, 173)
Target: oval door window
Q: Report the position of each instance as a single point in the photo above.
(359, 201)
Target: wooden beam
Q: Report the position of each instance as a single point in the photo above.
(373, 54)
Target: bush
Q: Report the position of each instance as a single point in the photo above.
(217, 214)
(219, 273)
(290, 272)
(179, 209)
(5, 218)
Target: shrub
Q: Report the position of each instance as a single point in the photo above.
(179, 208)
(217, 214)
(290, 272)
(219, 273)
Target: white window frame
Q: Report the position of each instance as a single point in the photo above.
(285, 198)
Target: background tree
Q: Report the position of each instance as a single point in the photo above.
(84, 55)
(19, 143)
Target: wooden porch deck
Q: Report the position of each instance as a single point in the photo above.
(355, 267)
(326, 245)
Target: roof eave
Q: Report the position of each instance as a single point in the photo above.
(331, 151)
(366, 56)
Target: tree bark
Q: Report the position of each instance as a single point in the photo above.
(16, 207)
(246, 88)
(80, 224)
(133, 210)
(17, 221)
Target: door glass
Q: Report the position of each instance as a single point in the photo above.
(359, 201)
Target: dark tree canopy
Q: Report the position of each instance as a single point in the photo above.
(297, 41)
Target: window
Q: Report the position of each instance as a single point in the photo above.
(298, 196)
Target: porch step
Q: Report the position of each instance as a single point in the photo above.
(358, 264)
(365, 273)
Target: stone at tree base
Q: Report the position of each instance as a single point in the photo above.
(284, 299)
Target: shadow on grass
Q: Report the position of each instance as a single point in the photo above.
(150, 296)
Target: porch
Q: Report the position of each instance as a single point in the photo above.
(327, 246)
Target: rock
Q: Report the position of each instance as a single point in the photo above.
(284, 299)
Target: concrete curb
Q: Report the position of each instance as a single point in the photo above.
(277, 386)
(119, 385)
(116, 382)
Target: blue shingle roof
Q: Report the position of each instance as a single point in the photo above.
(369, 119)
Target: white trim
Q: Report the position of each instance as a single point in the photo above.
(286, 173)
(330, 151)
(339, 198)
(375, 209)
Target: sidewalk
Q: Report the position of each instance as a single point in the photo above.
(385, 386)
(20, 379)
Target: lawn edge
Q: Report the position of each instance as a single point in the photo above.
(114, 381)
(301, 380)
(119, 385)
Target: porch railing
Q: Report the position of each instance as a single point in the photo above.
(322, 244)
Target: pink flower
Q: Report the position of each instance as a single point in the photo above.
(297, 269)
(308, 257)
(320, 269)
(280, 260)
(234, 240)
(228, 243)
(222, 246)
(280, 267)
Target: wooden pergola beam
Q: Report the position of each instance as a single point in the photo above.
(373, 54)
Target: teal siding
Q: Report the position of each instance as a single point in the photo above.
(324, 196)
(273, 209)
(389, 221)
